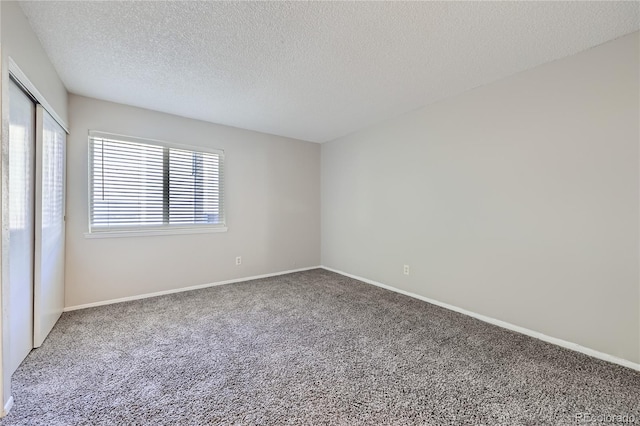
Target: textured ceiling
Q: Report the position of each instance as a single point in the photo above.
(308, 70)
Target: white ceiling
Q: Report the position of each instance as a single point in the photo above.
(308, 70)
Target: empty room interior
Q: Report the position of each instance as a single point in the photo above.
(403, 213)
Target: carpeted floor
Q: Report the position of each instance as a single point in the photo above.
(307, 348)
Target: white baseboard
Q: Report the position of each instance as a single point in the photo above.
(559, 342)
(7, 407)
(180, 290)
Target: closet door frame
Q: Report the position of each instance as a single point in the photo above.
(9, 69)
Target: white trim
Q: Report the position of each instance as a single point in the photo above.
(22, 78)
(180, 290)
(7, 407)
(536, 335)
(149, 232)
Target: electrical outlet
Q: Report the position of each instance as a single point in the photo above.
(406, 269)
(238, 260)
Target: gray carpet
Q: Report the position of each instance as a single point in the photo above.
(306, 348)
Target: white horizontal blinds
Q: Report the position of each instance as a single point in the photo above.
(195, 190)
(137, 184)
(127, 184)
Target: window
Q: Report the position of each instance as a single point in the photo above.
(145, 186)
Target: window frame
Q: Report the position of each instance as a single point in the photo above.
(151, 230)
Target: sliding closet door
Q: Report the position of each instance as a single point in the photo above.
(50, 225)
(21, 224)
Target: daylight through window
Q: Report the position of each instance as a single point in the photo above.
(137, 184)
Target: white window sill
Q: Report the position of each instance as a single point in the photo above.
(153, 232)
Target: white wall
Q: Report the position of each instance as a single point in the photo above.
(518, 200)
(20, 43)
(272, 200)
